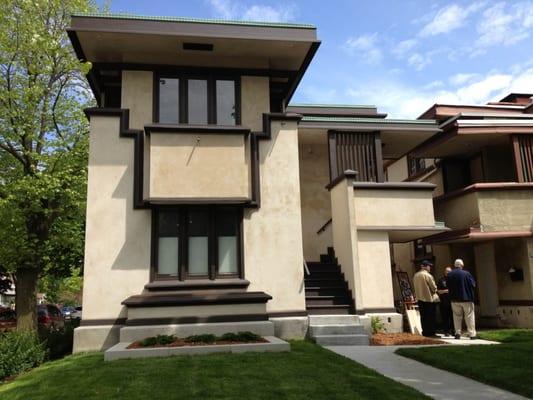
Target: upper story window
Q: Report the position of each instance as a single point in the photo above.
(197, 100)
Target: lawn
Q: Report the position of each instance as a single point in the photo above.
(507, 365)
(307, 372)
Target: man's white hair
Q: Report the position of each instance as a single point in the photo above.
(458, 263)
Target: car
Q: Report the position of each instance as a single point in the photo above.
(76, 314)
(67, 311)
(49, 317)
(8, 319)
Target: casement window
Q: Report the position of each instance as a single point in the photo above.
(197, 242)
(197, 100)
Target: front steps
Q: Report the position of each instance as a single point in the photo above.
(337, 330)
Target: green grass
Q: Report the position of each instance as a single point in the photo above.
(507, 365)
(307, 372)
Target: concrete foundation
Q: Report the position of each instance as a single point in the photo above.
(289, 328)
(95, 338)
(393, 321)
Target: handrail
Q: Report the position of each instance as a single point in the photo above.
(323, 227)
(306, 269)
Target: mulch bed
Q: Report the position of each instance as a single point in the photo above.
(180, 342)
(394, 339)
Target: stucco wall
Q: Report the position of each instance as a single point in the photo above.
(393, 207)
(273, 249)
(255, 100)
(190, 165)
(514, 253)
(506, 209)
(315, 198)
(397, 171)
(117, 240)
(458, 212)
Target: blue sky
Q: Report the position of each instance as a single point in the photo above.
(402, 56)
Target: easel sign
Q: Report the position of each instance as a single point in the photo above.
(406, 290)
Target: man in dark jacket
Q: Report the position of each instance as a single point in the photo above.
(446, 314)
(461, 285)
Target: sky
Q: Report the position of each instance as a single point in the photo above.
(399, 55)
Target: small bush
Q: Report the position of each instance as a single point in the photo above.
(207, 338)
(165, 339)
(59, 342)
(230, 336)
(377, 324)
(149, 341)
(19, 352)
(248, 336)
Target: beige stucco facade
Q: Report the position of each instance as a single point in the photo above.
(187, 165)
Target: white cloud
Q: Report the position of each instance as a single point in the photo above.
(462, 78)
(366, 47)
(419, 61)
(230, 9)
(401, 100)
(449, 18)
(503, 25)
(403, 47)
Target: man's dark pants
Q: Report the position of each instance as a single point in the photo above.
(428, 317)
(446, 316)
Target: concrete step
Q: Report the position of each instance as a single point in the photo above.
(326, 300)
(328, 309)
(343, 340)
(325, 291)
(352, 329)
(333, 319)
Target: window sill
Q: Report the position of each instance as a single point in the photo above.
(192, 128)
(199, 284)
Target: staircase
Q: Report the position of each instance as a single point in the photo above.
(329, 305)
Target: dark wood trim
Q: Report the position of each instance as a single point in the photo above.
(323, 227)
(472, 233)
(348, 174)
(91, 78)
(195, 129)
(519, 303)
(189, 299)
(517, 159)
(283, 314)
(197, 319)
(422, 172)
(362, 311)
(184, 201)
(379, 156)
(478, 187)
(138, 151)
(394, 186)
(97, 322)
(335, 111)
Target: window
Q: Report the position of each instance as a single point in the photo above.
(415, 165)
(197, 100)
(200, 242)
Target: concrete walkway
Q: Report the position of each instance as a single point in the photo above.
(431, 381)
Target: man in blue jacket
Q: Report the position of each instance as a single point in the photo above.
(461, 286)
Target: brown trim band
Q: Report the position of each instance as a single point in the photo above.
(474, 234)
(479, 187)
(193, 129)
(201, 284)
(187, 299)
(375, 310)
(98, 322)
(394, 185)
(523, 303)
(282, 314)
(301, 71)
(170, 201)
(197, 320)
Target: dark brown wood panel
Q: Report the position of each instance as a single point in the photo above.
(523, 151)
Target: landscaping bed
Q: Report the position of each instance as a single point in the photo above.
(197, 340)
(395, 339)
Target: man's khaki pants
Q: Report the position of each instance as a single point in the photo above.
(466, 309)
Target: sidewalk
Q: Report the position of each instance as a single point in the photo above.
(431, 381)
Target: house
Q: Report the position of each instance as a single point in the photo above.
(215, 205)
(482, 164)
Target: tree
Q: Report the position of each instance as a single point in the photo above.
(43, 146)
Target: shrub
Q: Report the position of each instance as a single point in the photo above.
(149, 341)
(230, 336)
(248, 336)
(19, 352)
(206, 338)
(377, 324)
(165, 339)
(59, 342)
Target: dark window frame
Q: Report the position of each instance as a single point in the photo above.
(211, 94)
(213, 273)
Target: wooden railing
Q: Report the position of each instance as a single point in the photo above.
(523, 153)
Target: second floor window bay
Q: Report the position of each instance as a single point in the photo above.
(197, 100)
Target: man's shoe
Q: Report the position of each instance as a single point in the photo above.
(457, 336)
(473, 337)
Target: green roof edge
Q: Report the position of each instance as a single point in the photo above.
(332, 105)
(370, 120)
(192, 20)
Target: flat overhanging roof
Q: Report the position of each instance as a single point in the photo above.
(397, 136)
(473, 235)
(116, 38)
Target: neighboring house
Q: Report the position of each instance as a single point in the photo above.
(207, 192)
(482, 164)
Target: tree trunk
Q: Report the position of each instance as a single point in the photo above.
(26, 299)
